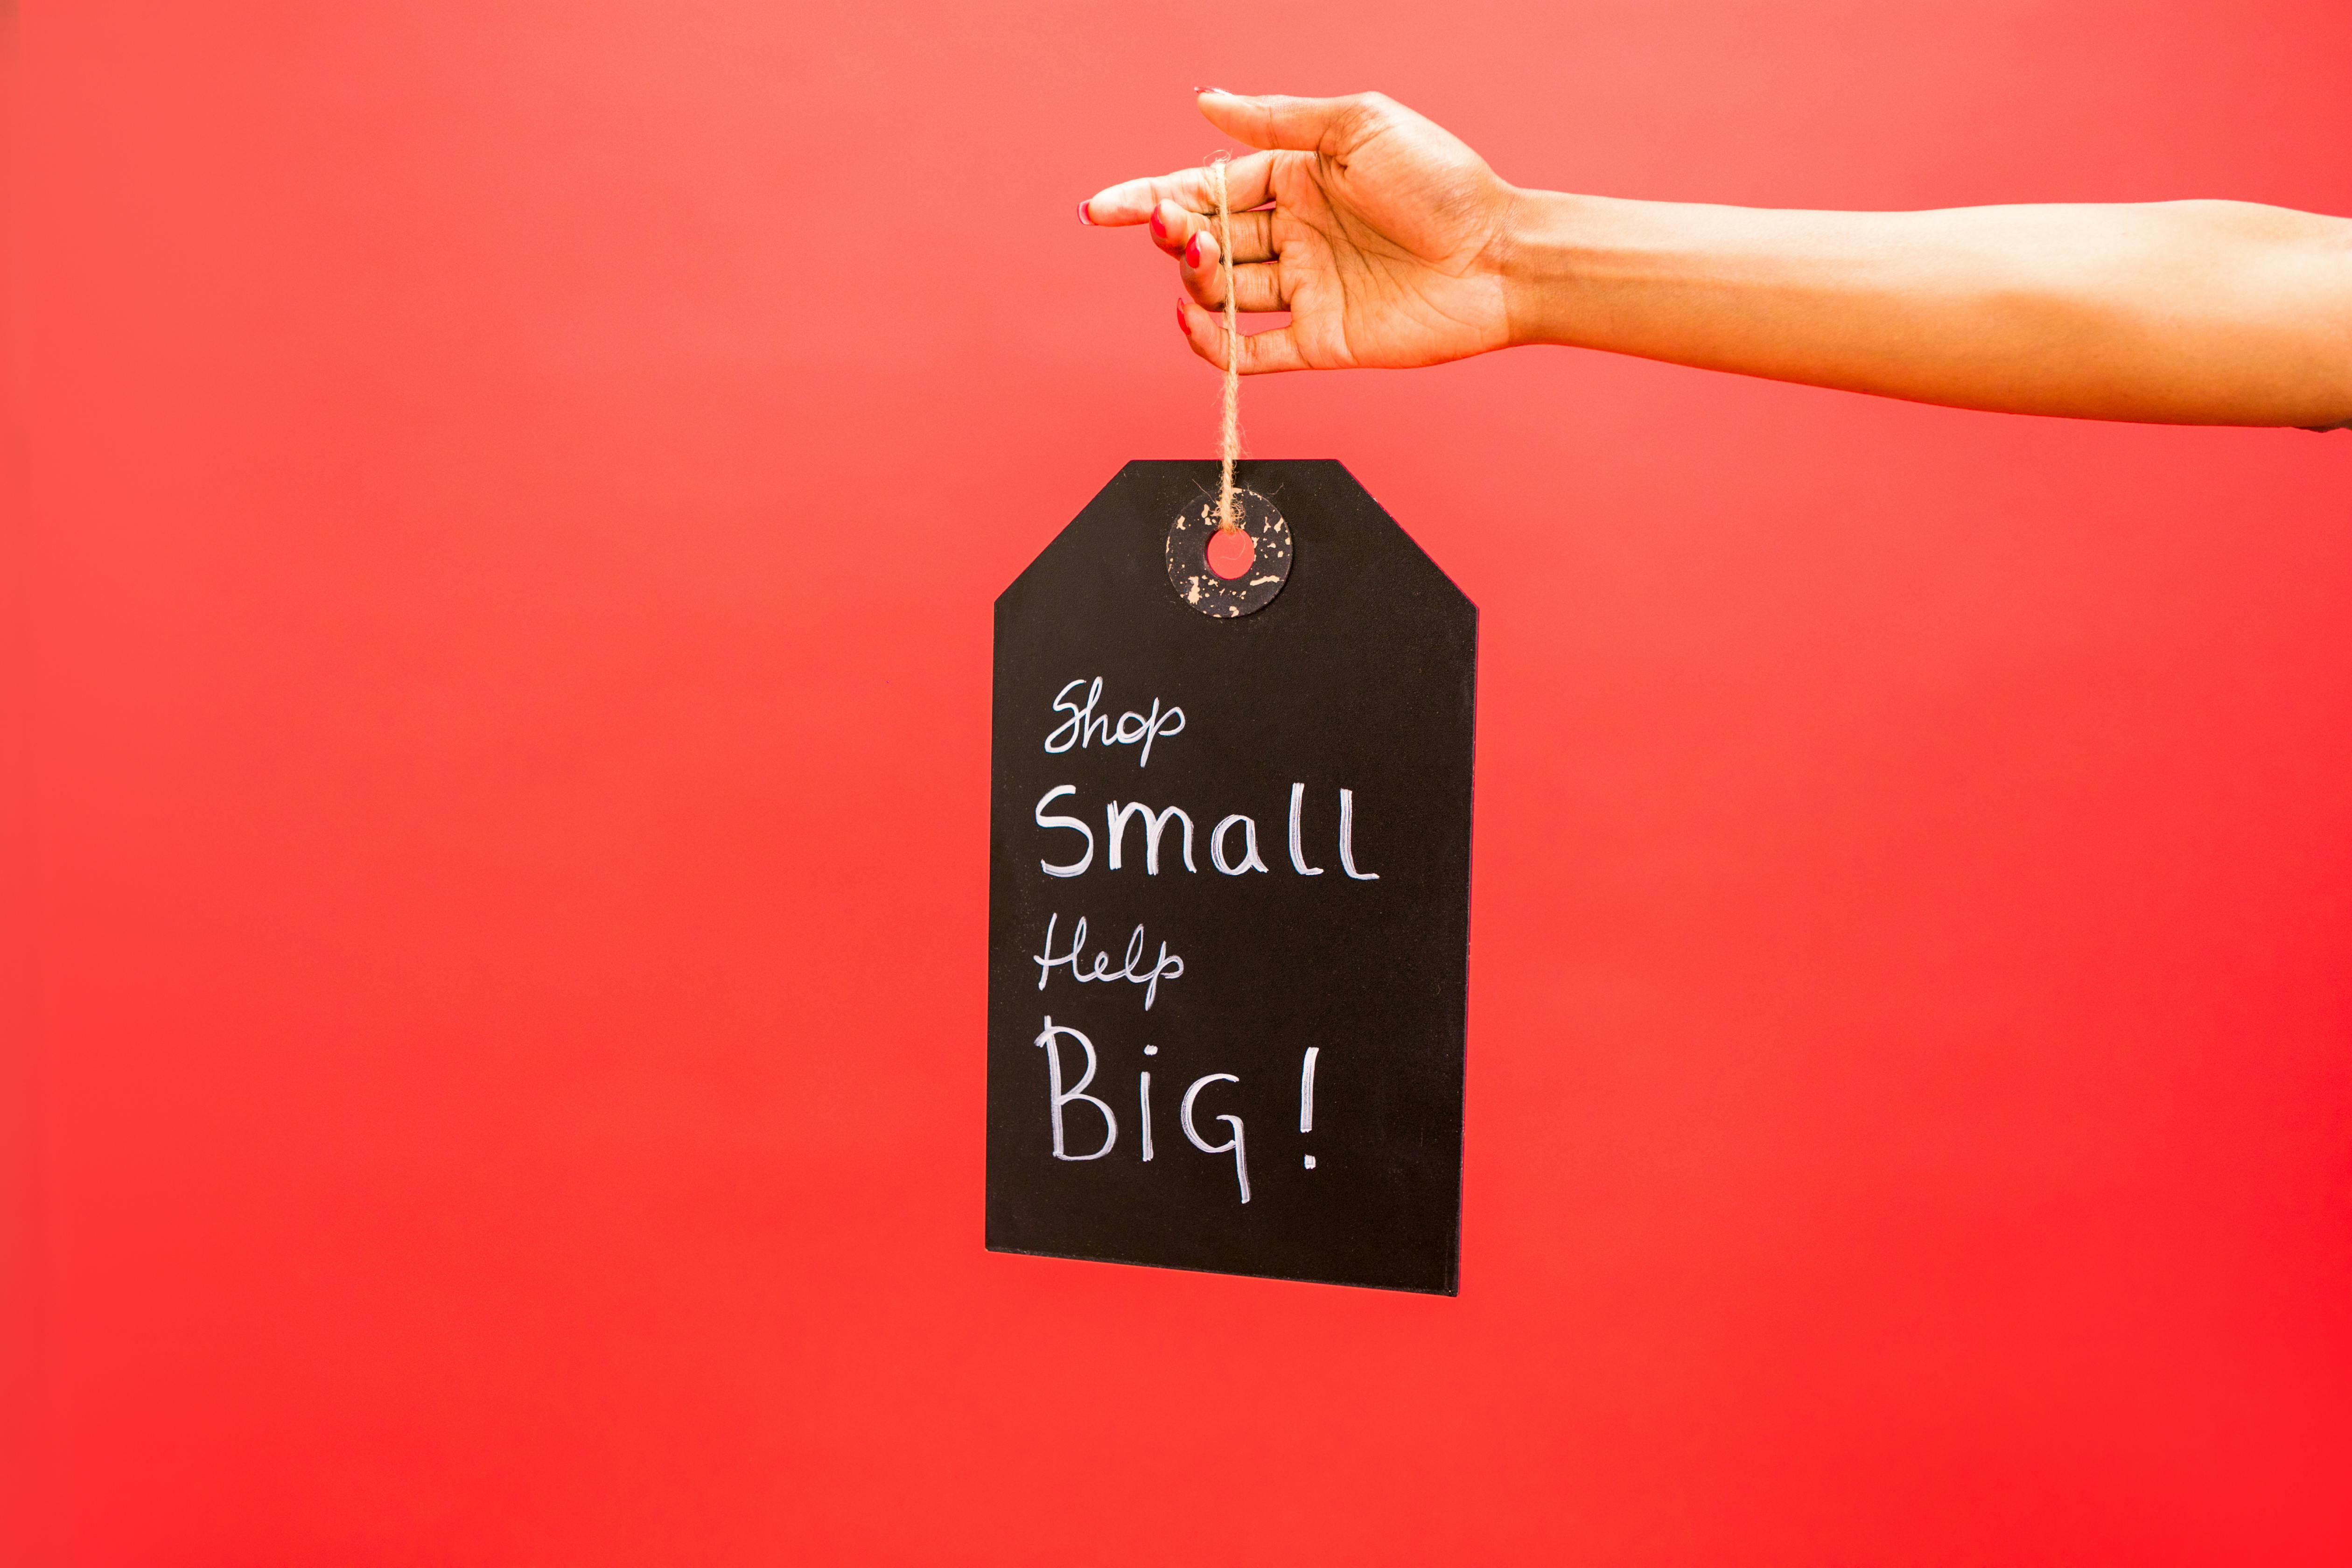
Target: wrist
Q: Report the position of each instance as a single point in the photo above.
(1539, 266)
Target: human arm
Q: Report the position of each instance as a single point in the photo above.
(1392, 244)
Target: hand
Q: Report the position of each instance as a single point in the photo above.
(1385, 240)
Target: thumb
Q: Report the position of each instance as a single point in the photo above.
(1296, 124)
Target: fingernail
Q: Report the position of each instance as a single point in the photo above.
(1193, 252)
(1219, 92)
(1159, 224)
(1085, 216)
(1182, 325)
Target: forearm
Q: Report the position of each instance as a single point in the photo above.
(2193, 312)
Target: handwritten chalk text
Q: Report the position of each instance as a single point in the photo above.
(1085, 727)
(1167, 966)
(1155, 826)
(1059, 1098)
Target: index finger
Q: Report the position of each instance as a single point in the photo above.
(1248, 183)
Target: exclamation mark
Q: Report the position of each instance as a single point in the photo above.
(1306, 1096)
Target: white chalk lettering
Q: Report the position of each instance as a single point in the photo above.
(1347, 838)
(1184, 1115)
(1249, 860)
(1297, 850)
(1117, 814)
(1083, 861)
(1085, 728)
(1154, 824)
(1058, 1097)
(1143, 1093)
(1167, 966)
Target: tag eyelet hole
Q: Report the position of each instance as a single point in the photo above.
(1223, 573)
(1231, 551)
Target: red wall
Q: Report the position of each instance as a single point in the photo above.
(516, 494)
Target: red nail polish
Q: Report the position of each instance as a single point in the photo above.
(1193, 252)
(1159, 225)
(1182, 325)
(1084, 214)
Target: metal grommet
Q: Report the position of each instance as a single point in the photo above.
(1198, 570)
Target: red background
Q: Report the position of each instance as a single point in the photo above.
(515, 495)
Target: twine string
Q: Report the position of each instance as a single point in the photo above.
(1229, 433)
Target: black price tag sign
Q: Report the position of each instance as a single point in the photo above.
(1229, 887)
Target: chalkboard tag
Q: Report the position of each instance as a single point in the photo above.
(1229, 887)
